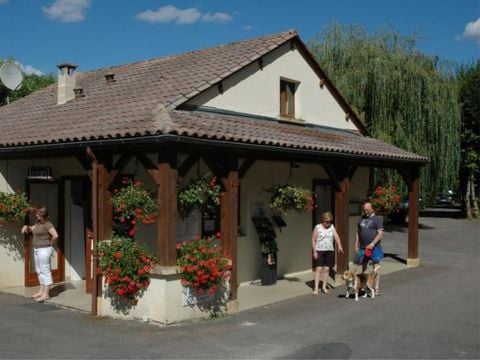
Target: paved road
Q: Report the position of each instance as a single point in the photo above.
(428, 312)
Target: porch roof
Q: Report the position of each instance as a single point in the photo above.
(145, 99)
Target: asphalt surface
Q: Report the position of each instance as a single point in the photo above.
(429, 312)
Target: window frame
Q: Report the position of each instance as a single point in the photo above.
(288, 102)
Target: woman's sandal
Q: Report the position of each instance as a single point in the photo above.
(377, 292)
(325, 291)
(35, 296)
(41, 299)
(315, 293)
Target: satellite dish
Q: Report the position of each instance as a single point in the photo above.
(11, 75)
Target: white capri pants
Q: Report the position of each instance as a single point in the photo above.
(42, 264)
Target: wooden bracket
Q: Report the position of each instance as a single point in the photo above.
(246, 165)
(187, 164)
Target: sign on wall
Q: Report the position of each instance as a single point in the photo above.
(39, 173)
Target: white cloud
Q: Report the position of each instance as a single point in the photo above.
(67, 10)
(3, 2)
(171, 14)
(218, 18)
(472, 32)
(29, 69)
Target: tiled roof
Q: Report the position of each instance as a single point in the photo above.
(143, 98)
(244, 130)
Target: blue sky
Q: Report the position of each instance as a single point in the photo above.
(40, 34)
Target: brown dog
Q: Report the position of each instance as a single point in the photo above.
(357, 282)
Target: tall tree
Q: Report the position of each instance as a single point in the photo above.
(469, 82)
(404, 97)
(30, 83)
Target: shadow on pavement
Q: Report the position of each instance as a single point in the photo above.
(396, 257)
(451, 212)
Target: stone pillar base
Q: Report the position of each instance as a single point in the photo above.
(413, 262)
(232, 307)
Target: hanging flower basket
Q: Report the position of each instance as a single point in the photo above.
(287, 197)
(13, 206)
(203, 194)
(132, 204)
(203, 267)
(126, 267)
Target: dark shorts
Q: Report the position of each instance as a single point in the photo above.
(325, 258)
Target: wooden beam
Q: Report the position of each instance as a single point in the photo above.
(340, 176)
(122, 161)
(342, 222)
(187, 164)
(411, 177)
(84, 160)
(228, 226)
(246, 165)
(105, 208)
(167, 215)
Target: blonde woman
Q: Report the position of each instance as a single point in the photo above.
(323, 250)
(44, 238)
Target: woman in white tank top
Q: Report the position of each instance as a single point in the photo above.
(323, 250)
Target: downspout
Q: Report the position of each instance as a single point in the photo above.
(94, 160)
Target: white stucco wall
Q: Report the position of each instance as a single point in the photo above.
(293, 240)
(166, 302)
(257, 92)
(11, 240)
(13, 174)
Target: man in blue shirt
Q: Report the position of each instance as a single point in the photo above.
(368, 241)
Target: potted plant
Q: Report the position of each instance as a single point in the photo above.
(132, 204)
(204, 269)
(385, 200)
(288, 197)
(126, 267)
(202, 194)
(13, 206)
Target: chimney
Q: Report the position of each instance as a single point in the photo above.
(66, 82)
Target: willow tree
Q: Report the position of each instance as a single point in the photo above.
(404, 97)
(469, 81)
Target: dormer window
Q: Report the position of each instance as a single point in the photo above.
(287, 98)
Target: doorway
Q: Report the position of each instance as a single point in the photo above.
(45, 193)
(77, 225)
(323, 195)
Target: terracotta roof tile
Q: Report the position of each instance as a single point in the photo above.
(143, 98)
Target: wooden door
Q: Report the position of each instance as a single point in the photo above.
(45, 193)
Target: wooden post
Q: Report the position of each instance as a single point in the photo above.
(411, 178)
(166, 214)
(341, 176)
(413, 211)
(228, 225)
(342, 222)
(105, 208)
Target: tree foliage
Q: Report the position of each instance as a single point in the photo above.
(404, 97)
(469, 83)
(30, 83)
